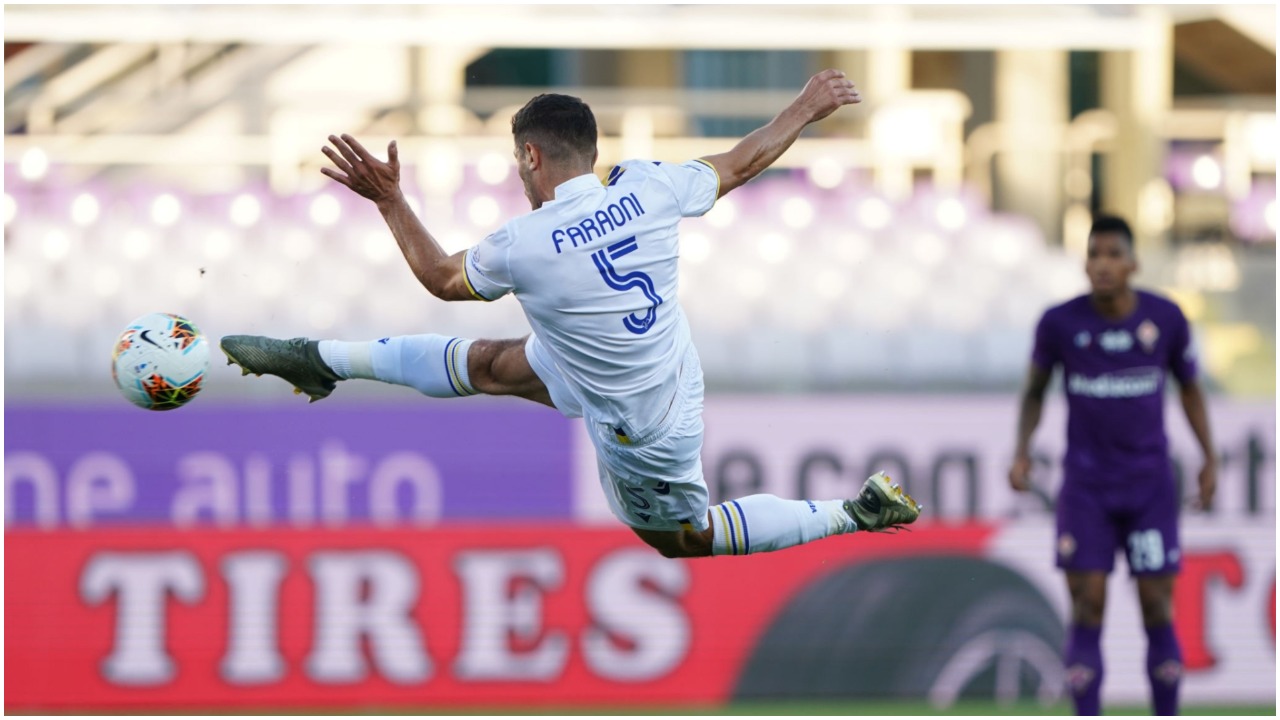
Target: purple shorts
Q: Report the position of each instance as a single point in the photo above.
(1094, 521)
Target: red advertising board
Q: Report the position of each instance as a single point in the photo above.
(494, 615)
(522, 615)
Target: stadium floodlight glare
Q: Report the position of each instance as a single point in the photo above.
(57, 245)
(245, 210)
(951, 214)
(797, 212)
(1206, 172)
(752, 283)
(10, 209)
(136, 244)
(874, 213)
(722, 214)
(1261, 130)
(298, 245)
(378, 246)
(17, 279)
(106, 281)
(1007, 248)
(483, 211)
(165, 210)
(774, 248)
(454, 240)
(695, 248)
(851, 249)
(34, 164)
(826, 173)
(217, 245)
(928, 249)
(493, 168)
(84, 209)
(325, 210)
(908, 132)
(440, 169)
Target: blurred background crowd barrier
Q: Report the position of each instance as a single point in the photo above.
(868, 304)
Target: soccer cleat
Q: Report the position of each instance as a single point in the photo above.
(296, 361)
(881, 505)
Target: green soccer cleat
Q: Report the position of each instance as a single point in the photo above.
(882, 506)
(296, 361)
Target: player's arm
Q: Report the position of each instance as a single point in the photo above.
(1028, 419)
(822, 95)
(440, 273)
(1193, 405)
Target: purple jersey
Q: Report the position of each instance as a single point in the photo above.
(1114, 378)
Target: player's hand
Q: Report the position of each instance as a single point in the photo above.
(362, 172)
(824, 94)
(1020, 473)
(1208, 486)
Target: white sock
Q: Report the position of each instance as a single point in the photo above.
(434, 365)
(763, 523)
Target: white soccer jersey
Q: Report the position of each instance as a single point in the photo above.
(596, 272)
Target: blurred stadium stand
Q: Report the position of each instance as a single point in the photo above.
(908, 244)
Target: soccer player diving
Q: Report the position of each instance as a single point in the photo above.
(595, 268)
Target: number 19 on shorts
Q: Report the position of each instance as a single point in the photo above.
(1146, 551)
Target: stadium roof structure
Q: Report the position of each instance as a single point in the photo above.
(119, 88)
(779, 27)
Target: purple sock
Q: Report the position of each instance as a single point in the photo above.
(1083, 659)
(1164, 668)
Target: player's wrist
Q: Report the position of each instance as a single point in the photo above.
(796, 115)
(390, 199)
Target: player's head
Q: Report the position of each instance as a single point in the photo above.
(556, 132)
(1111, 260)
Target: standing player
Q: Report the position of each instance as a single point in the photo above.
(1118, 491)
(595, 269)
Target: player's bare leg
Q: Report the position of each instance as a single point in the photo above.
(500, 367)
(763, 523)
(435, 365)
(1155, 595)
(1083, 656)
(689, 543)
(1164, 655)
(1088, 597)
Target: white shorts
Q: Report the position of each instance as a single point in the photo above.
(654, 482)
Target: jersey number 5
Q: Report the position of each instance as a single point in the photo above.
(631, 281)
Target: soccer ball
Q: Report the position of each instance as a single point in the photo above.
(160, 361)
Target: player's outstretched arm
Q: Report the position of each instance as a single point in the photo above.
(441, 274)
(1193, 405)
(822, 95)
(1028, 419)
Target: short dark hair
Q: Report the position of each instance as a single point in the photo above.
(1112, 224)
(561, 125)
